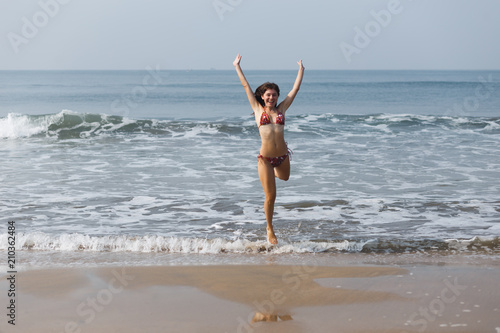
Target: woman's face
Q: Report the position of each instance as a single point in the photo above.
(270, 98)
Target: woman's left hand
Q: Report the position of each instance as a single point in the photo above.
(301, 66)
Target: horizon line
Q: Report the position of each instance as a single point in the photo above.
(291, 69)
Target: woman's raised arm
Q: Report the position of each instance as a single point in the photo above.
(296, 86)
(251, 97)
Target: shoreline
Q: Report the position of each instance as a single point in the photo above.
(28, 260)
(314, 297)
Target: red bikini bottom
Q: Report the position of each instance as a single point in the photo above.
(276, 161)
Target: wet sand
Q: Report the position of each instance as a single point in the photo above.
(258, 298)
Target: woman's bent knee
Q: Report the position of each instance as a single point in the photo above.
(285, 178)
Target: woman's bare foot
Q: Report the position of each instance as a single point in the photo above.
(271, 237)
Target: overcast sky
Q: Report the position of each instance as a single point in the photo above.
(272, 34)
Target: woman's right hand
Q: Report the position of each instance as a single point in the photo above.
(236, 61)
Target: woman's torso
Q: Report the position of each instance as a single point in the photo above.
(272, 132)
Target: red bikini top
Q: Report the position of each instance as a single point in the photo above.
(265, 119)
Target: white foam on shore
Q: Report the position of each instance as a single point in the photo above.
(40, 241)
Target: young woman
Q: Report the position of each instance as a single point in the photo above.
(274, 157)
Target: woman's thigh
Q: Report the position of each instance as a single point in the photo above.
(283, 170)
(266, 175)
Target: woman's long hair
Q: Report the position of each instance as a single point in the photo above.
(262, 89)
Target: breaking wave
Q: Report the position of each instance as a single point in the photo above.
(69, 125)
(40, 241)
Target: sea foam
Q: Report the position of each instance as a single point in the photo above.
(39, 241)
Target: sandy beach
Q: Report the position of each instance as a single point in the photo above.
(259, 298)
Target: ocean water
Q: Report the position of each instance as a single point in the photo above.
(148, 164)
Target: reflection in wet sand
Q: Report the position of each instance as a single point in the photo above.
(272, 291)
(261, 317)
